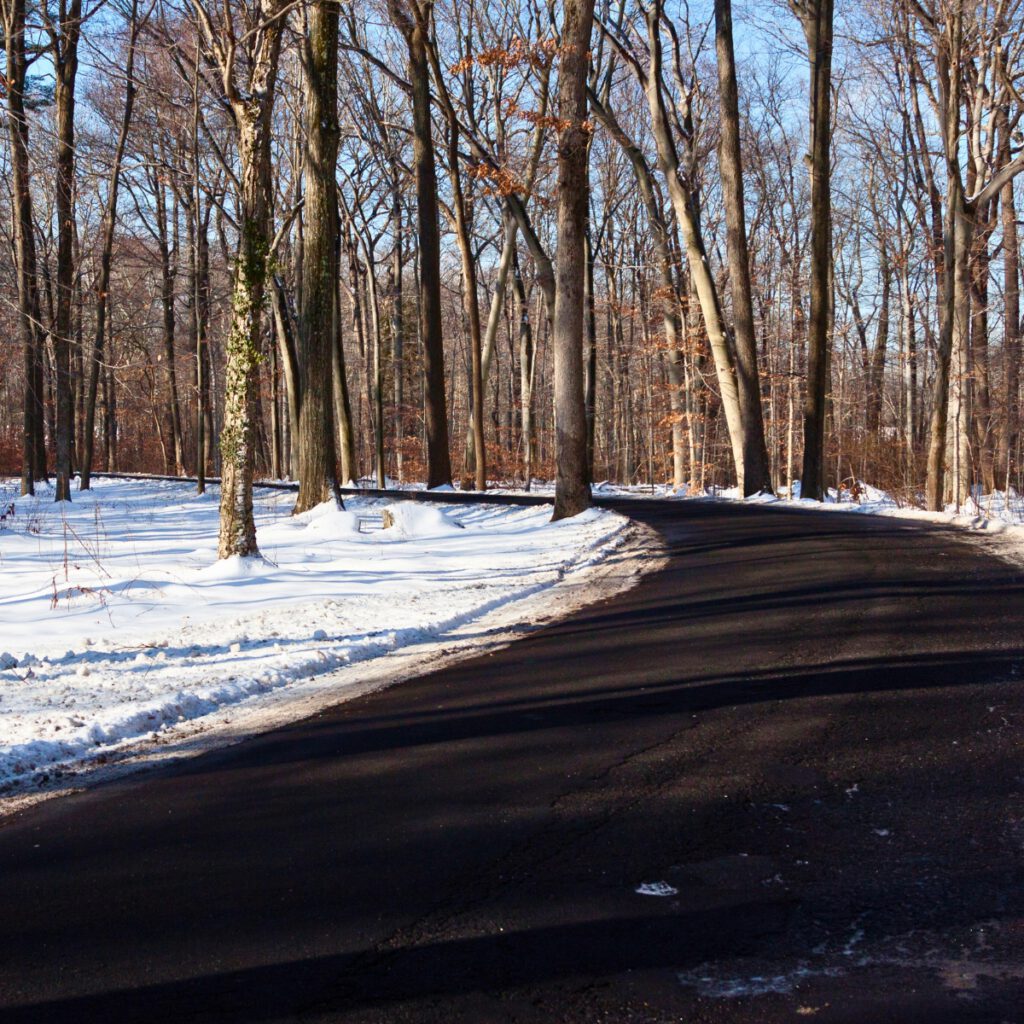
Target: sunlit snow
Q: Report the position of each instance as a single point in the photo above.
(117, 621)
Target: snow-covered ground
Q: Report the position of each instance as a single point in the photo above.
(993, 513)
(118, 626)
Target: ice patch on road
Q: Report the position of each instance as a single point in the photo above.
(656, 889)
(711, 982)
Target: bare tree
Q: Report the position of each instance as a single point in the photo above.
(248, 86)
(96, 363)
(18, 59)
(572, 488)
(317, 328)
(64, 28)
(816, 17)
(412, 18)
(756, 470)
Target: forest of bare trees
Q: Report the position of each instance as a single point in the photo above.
(645, 241)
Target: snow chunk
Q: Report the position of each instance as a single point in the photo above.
(414, 520)
(236, 567)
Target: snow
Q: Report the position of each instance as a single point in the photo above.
(413, 520)
(118, 624)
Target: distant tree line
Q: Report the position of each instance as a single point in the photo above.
(637, 240)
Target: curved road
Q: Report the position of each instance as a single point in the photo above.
(808, 728)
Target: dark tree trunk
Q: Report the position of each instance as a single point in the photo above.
(1011, 326)
(590, 362)
(816, 17)
(64, 48)
(397, 321)
(981, 404)
(201, 315)
(876, 369)
(168, 273)
(317, 469)
(572, 487)
(106, 248)
(24, 244)
(412, 18)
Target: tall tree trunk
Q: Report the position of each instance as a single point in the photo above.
(684, 203)
(412, 18)
(956, 249)
(816, 18)
(375, 370)
(876, 369)
(284, 333)
(756, 468)
(200, 287)
(64, 47)
(168, 274)
(204, 402)
(952, 338)
(29, 312)
(238, 436)
(527, 363)
(397, 322)
(590, 355)
(252, 110)
(980, 410)
(106, 248)
(1011, 326)
(572, 488)
(470, 305)
(317, 469)
(346, 440)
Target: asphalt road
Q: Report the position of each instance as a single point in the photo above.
(810, 727)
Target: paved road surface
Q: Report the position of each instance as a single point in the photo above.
(809, 726)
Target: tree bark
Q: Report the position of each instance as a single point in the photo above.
(527, 364)
(345, 436)
(816, 18)
(956, 246)
(572, 488)
(287, 351)
(29, 311)
(412, 17)
(317, 469)
(756, 468)
(64, 38)
(251, 109)
(471, 307)
(397, 321)
(1011, 327)
(106, 248)
(876, 369)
